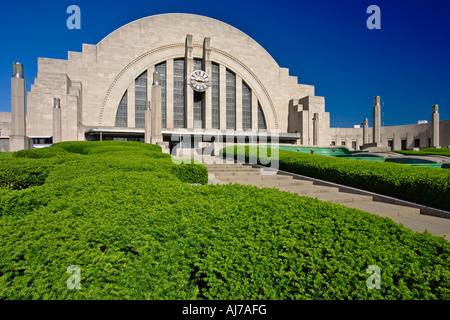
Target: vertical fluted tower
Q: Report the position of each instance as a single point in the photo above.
(189, 67)
(57, 130)
(376, 120)
(435, 126)
(17, 138)
(316, 129)
(365, 131)
(148, 124)
(156, 130)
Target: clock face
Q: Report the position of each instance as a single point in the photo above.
(199, 80)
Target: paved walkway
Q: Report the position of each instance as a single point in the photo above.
(252, 175)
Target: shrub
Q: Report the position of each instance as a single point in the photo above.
(84, 147)
(192, 173)
(134, 156)
(137, 232)
(426, 151)
(428, 186)
(6, 154)
(137, 237)
(47, 152)
(20, 174)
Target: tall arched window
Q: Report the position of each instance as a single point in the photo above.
(177, 110)
(261, 119)
(231, 100)
(140, 99)
(179, 114)
(122, 114)
(246, 107)
(215, 96)
(161, 69)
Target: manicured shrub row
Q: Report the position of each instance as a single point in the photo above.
(40, 153)
(427, 151)
(6, 154)
(137, 232)
(85, 147)
(428, 186)
(191, 173)
(21, 174)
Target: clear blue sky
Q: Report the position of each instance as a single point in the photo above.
(324, 43)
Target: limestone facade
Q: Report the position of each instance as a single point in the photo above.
(104, 89)
(92, 83)
(5, 124)
(394, 137)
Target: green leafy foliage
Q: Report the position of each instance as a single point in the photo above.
(137, 232)
(429, 186)
(6, 154)
(16, 174)
(85, 147)
(40, 153)
(426, 151)
(191, 173)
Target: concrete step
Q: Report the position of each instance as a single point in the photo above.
(226, 169)
(308, 189)
(273, 183)
(253, 177)
(384, 209)
(225, 165)
(339, 197)
(420, 223)
(221, 173)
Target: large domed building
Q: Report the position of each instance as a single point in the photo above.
(211, 77)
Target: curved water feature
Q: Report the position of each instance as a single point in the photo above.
(361, 155)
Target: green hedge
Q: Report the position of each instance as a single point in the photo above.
(125, 155)
(85, 147)
(40, 153)
(426, 151)
(191, 173)
(428, 186)
(22, 174)
(6, 154)
(137, 232)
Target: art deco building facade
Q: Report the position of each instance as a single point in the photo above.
(105, 87)
(237, 87)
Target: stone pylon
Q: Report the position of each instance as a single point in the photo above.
(376, 120)
(316, 129)
(365, 131)
(57, 130)
(156, 129)
(435, 127)
(148, 124)
(18, 139)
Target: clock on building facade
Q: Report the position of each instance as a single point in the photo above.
(199, 80)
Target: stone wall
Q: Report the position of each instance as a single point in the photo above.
(395, 133)
(5, 123)
(4, 145)
(92, 82)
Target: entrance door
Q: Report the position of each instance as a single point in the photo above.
(403, 144)
(391, 144)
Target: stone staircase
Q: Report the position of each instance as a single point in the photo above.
(247, 174)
